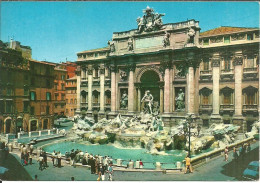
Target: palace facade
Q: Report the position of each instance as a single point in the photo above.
(213, 74)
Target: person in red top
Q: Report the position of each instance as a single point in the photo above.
(141, 164)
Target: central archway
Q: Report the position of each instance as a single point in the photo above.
(150, 81)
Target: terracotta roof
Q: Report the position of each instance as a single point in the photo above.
(95, 50)
(225, 30)
(43, 62)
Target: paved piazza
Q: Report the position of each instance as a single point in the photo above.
(137, 91)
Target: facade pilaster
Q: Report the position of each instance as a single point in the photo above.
(139, 99)
(215, 117)
(167, 79)
(90, 80)
(102, 90)
(78, 90)
(238, 118)
(131, 89)
(190, 88)
(257, 61)
(113, 88)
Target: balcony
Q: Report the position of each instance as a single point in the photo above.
(206, 75)
(84, 104)
(250, 108)
(227, 108)
(227, 74)
(205, 108)
(250, 73)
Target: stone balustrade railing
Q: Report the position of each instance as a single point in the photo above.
(212, 154)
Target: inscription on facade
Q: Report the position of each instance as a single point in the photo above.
(149, 42)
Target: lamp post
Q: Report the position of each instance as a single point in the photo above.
(187, 127)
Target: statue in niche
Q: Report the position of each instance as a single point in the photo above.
(124, 101)
(111, 46)
(166, 39)
(148, 102)
(191, 34)
(123, 76)
(130, 45)
(180, 101)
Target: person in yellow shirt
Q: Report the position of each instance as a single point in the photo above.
(188, 164)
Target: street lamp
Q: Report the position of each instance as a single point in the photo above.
(187, 127)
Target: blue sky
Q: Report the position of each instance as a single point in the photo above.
(58, 30)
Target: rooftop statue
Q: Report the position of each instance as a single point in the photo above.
(150, 21)
(111, 46)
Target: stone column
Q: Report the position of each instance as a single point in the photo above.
(190, 89)
(161, 99)
(171, 89)
(215, 117)
(78, 90)
(102, 90)
(238, 118)
(90, 78)
(139, 99)
(131, 89)
(167, 89)
(258, 89)
(113, 89)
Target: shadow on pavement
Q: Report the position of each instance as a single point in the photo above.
(236, 167)
(16, 170)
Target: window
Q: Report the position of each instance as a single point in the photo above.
(68, 76)
(96, 54)
(63, 77)
(249, 37)
(226, 64)
(32, 95)
(67, 111)
(67, 101)
(71, 101)
(26, 91)
(75, 101)
(62, 97)
(96, 73)
(48, 96)
(206, 42)
(2, 106)
(56, 96)
(62, 87)
(227, 98)
(56, 105)
(32, 81)
(206, 65)
(9, 106)
(227, 39)
(9, 92)
(32, 110)
(47, 71)
(48, 83)
(250, 62)
(56, 86)
(26, 106)
(205, 100)
(47, 110)
(62, 105)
